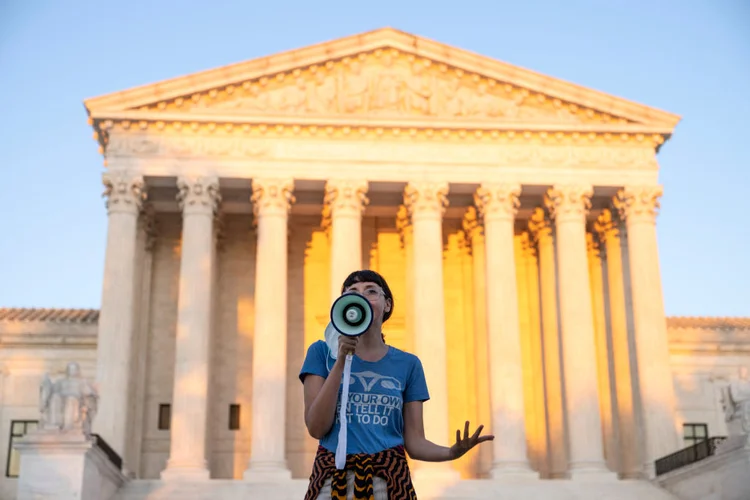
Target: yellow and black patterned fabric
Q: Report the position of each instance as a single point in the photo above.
(390, 465)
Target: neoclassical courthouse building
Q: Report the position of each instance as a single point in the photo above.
(513, 214)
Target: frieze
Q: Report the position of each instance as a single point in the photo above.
(180, 147)
(511, 151)
(384, 83)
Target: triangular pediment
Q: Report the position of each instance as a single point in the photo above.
(382, 75)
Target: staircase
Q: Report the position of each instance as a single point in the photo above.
(507, 489)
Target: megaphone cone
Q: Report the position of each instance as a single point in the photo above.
(351, 314)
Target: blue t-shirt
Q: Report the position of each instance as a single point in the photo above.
(377, 393)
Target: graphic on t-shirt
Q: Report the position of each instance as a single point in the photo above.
(372, 408)
(369, 379)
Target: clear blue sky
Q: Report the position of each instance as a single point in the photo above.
(690, 57)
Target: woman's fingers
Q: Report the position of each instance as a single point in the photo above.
(477, 432)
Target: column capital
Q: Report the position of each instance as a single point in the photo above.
(638, 203)
(527, 244)
(272, 196)
(346, 196)
(426, 198)
(540, 225)
(593, 245)
(198, 194)
(220, 235)
(150, 226)
(498, 200)
(606, 225)
(472, 223)
(125, 192)
(403, 224)
(568, 202)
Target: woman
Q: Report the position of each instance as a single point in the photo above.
(384, 414)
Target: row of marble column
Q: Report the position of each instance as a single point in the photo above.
(424, 204)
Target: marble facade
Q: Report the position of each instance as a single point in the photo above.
(514, 216)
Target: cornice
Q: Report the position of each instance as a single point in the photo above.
(709, 322)
(161, 120)
(387, 38)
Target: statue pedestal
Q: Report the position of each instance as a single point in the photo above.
(67, 465)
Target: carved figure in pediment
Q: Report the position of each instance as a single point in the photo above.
(390, 86)
(323, 94)
(457, 100)
(355, 90)
(421, 91)
(69, 403)
(255, 100)
(293, 98)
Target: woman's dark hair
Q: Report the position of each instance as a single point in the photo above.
(368, 276)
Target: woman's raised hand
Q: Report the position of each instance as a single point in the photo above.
(466, 443)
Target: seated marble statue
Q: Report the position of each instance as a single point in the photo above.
(69, 403)
(736, 403)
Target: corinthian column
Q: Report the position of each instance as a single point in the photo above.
(569, 206)
(198, 198)
(608, 232)
(125, 195)
(638, 207)
(472, 226)
(604, 368)
(426, 203)
(540, 229)
(345, 202)
(498, 204)
(272, 199)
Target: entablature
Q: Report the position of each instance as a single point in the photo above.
(306, 154)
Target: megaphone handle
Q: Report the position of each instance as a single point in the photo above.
(341, 446)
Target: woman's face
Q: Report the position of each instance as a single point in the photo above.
(376, 297)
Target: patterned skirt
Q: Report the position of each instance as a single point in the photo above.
(389, 465)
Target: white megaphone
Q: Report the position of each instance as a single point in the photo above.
(351, 315)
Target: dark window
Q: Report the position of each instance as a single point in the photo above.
(694, 433)
(165, 417)
(234, 417)
(18, 429)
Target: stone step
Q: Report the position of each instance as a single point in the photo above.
(507, 489)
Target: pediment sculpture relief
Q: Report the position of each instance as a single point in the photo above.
(68, 403)
(387, 86)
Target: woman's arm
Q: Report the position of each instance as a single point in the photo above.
(417, 445)
(321, 395)
(420, 448)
